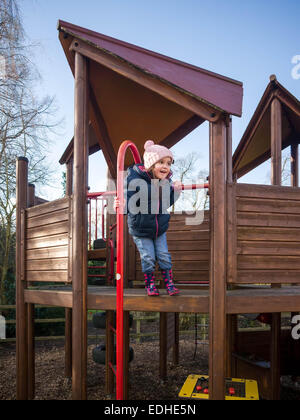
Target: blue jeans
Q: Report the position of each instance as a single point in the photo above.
(152, 250)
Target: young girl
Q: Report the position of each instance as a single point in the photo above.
(149, 194)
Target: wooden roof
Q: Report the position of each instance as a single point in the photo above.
(255, 145)
(138, 94)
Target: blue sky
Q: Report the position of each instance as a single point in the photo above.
(247, 41)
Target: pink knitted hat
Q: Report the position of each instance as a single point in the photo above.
(154, 153)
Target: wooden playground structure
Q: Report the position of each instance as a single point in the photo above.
(244, 257)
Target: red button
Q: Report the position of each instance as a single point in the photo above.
(231, 391)
(198, 388)
(205, 391)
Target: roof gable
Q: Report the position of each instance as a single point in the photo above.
(254, 147)
(218, 91)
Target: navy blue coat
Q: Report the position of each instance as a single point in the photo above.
(147, 214)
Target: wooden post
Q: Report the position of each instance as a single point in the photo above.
(79, 231)
(231, 339)
(231, 211)
(69, 177)
(229, 150)
(126, 356)
(68, 342)
(30, 320)
(276, 147)
(276, 142)
(163, 352)
(138, 330)
(30, 195)
(176, 344)
(294, 165)
(294, 183)
(68, 311)
(168, 338)
(21, 307)
(217, 272)
(231, 320)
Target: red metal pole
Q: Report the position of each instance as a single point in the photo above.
(112, 261)
(192, 186)
(120, 260)
(90, 224)
(182, 187)
(101, 194)
(96, 210)
(103, 220)
(120, 251)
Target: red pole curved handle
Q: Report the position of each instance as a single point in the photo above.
(120, 258)
(127, 144)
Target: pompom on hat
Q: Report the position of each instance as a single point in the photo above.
(154, 153)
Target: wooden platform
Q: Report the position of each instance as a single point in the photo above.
(244, 300)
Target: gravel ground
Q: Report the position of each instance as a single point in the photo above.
(144, 379)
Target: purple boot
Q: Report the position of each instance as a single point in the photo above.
(168, 279)
(149, 285)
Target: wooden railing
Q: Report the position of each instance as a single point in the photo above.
(135, 333)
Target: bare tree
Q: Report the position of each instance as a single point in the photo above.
(285, 168)
(186, 170)
(26, 121)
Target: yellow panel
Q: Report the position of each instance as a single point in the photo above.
(249, 386)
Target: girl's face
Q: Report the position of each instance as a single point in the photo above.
(162, 168)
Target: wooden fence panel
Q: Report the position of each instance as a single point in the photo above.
(47, 242)
(267, 234)
(189, 248)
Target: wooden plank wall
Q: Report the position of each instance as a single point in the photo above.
(258, 343)
(268, 234)
(189, 248)
(48, 242)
